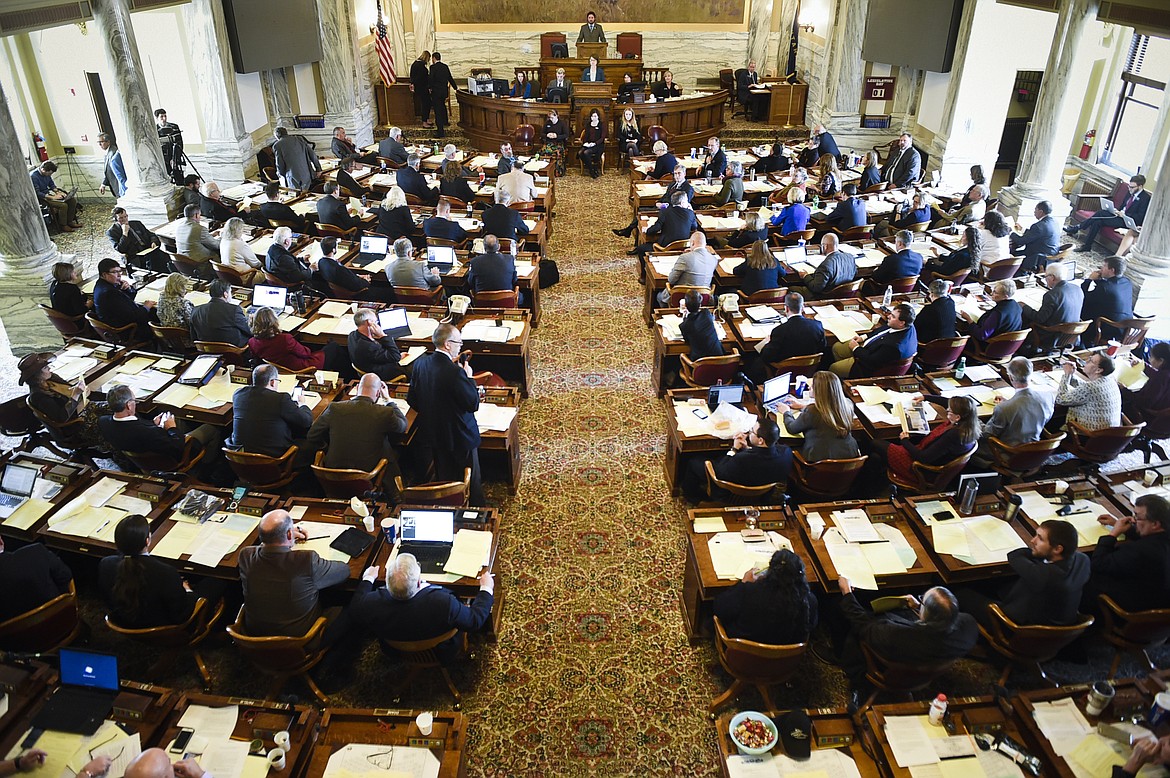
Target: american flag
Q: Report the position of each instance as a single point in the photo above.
(385, 56)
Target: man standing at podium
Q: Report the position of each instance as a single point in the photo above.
(591, 31)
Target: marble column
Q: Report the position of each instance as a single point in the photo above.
(343, 76)
(759, 25)
(150, 196)
(1150, 256)
(228, 155)
(842, 106)
(1057, 107)
(26, 253)
(424, 27)
(907, 94)
(946, 156)
(277, 99)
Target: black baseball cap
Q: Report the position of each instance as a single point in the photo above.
(796, 734)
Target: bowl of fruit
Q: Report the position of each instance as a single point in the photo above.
(753, 733)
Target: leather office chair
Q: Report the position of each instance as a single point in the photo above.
(942, 353)
(847, 291)
(757, 664)
(708, 371)
(420, 655)
(66, 439)
(740, 494)
(417, 295)
(1157, 428)
(176, 639)
(930, 478)
(176, 339)
(828, 479)
(1028, 645)
(765, 296)
(998, 350)
(792, 364)
(727, 81)
(1001, 270)
(1134, 632)
(46, 628)
(904, 678)
(343, 483)
(232, 355)
(262, 472)
(69, 326)
(524, 138)
(184, 264)
(503, 298)
(126, 335)
(1096, 447)
(17, 420)
(230, 274)
(154, 462)
(1020, 462)
(679, 292)
(283, 657)
(904, 285)
(655, 133)
(453, 493)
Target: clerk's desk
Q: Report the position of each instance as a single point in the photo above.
(832, 728)
(340, 727)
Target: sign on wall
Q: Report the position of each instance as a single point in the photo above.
(878, 88)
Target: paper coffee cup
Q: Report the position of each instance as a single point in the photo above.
(1061, 487)
(368, 523)
(388, 529)
(425, 722)
(1160, 710)
(1149, 477)
(276, 760)
(282, 739)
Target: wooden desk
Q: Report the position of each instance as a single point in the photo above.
(945, 382)
(642, 166)
(653, 270)
(700, 584)
(786, 103)
(154, 491)
(341, 727)
(883, 429)
(339, 512)
(828, 723)
(646, 193)
(86, 352)
(615, 69)
(679, 446)
(667, 352)
(952, 569)
(527, 274)
(22, 683)
(26, 522)
(1086, 493)
(1125, 486)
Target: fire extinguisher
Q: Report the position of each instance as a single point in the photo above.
(39, 142)
(1087, 146)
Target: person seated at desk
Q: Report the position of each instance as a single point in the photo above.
(678, 222)
(345, 149)
(113, 299)
(774, 162)
(1005, 316)
(871, 174)
(356, 434)
(752, 103)
(491, 271)
(696, 267)
(451, 159)
(946, 442)
(593, 72)
(189, 193)
(269, 344)
(371, 350)
(995, 234)
(759, 270)
(909, 214)
(972, 210)
(901, 264)
(966, 257)
(665, 163)
(410, 609)
(756, 458)
(235, 252)
(391, 147)
(507, 159)
(715, 163)
(698, 327)
(346, 183)
(412, 182)
(502, 221)
(519, 184)
(282, 264)
(282, 586)
(211, 207)
(273, 209)
(60, 401)
(829, 177)
(31, 576)
(1020, 418)
(266, 420)
(174, 309)
(865, 355)
(937, 318)
(61, 204)
(838, 267)
(629, 136)
(796, 336)
(65, 296)
(221, 319)
(442, 226)
(904, 165)
(1135, 206)
(332, 273)
(395, 219)
(334, 211)
(453, 184)
(1145, 751)
(406, 271)
(1154, 395)
(555, 134)
(593, 144)
(1051, 575)
(625, 93)
(773, 606)
(521, 87)
(1133, 574)
(1093, 404)
(155, 763)
(732, 189)
(124, 431)
(135, 243)
(755, 229)
(1108, 294)
(557, 90)
(591, 31)
(195, 242)
(1062, 302)
(666, 87)
(1039, 241)
(678, 184)
(849, 213)
(794, 216)
(826, 421)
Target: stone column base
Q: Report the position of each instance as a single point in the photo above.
(227, 162)
(151, 208)
(1019, 201)
(1141, 266)
(17, 270)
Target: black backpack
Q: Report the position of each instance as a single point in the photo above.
(548, 273)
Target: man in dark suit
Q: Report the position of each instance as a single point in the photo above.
(409, 608)
(124, 431)
(698, 328)
(824, 142)
(441, 225)
(1108, 293)
(902, 263)
(756, 458)
(863, 356)
(715, 163)
(440, 80)
(356, 433)
(331, 209)
(1135, 205)
(346, 181)
(343, 148)
(282, 586)
(679, 184)
(502, 221)
(371, 350)
(391, 147)
(220, 319)
(904, 165)
(30, 577)
(1134, 574)
(113, 299)
(797, 336)
(507, 160)
(136, 244)
(850, 211)
(410, 181)
(492, 271)
(677, 222)
(334, 273)
(445, 398)
(275, 210)
(266, 420)
(1040, 240)
(282, 263)
(1048, 590)
(1061, 304)
(752, 102)
(211, 207)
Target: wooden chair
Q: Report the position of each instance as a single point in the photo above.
(453, 493)
(413, 199)
(655, 133)
(177, 639)
(508, 246)
(281, 656)
(757, 664)
(333, 231)
(126, 335)
(420, 655)
(930, 478)
(343, 483)
(881, 186)
(1133, 331)
(1002, 270)
(955, 279)
(44, 629)
(1061, 253)
(17, 420)
(1157, 428)
(524, 138)
(793, 238)
(310, 370)
(341, 293)
(1028, 645)
(184, 264)
(792, 364)
(708, 371)
(1057, 337)
(678, 245)
(155, 462)
(847, 291)
(456, 204)
(292, 225)
(919, 226)
(860, 232)
(233, 355)
(504, 298)
(942, 353)
(67, 439)
(901, 367)
(524, 206)
(68, 326)
(740, 493)
(999, 350)
(177, 339)
(229, 274)
(272, 280)
(1134, 632)
(679, 292)
(903, 678)
(388, 163)
(261, 471)
(765, 296)
(417, 295)
(444, 242)
(1097, 447)
(828, 479)
(1025, 460)
(581, 159)
(904, 285)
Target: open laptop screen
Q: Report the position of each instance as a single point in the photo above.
(441, 255)
(775, 388)
(269, 296)
(428, 526)
(392, 319)
(86, 668)
(18, 480)
(372, 244)
(731, 393)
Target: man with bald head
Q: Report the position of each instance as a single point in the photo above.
(282, 586)
(357, 433)
(838, 267)
(154, 763)
(694, 268)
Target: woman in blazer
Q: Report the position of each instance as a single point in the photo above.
(1005, 316)
(64, 294)
(453, 184)
(140, 590)
(394, 217)
(949, 440)
(282, 349)
(826, 421)
(522, 87)
(237, 254)
(759, 271)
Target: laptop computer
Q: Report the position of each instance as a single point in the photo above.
(89, 684)
(776, 391)
(429, 536)
(394, 323)
(441, 257)
(374, 244)
(16, 487)
(726, 393)
(273, 297)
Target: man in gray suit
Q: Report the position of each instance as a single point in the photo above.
(694, 268)
(220, 319)
(904, 165)
(838, 267)
(193, 240)
(405, 270)
(1062, 302)
(591, 31)
(1021, 418)
(296, 162)
(356, 433)
(282, 586)
(391, 147)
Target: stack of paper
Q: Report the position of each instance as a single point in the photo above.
(421, 327)
(261, 244)
(981, 373)
(855, 526)
(491, 417)
(725, 423)
(470, 552)
(751, 330)
(208, 543)
(1083, 516)
(362, 760)
(321, 534)
(731, 557)
(720, 222)
(727, 264)
(663, 265)
(704, 525)
(910, 738)
(1062, 723)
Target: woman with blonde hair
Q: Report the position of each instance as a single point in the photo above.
(760, 270)
(826, 420)
(871, 173)
(794, 217)
(394, 218)
(174, 309)
(829, 182)
(235, 252)
(629, 136)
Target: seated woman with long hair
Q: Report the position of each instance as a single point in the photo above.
(142, 591)
(283, 350)
(453, 184)
(65, 295)
(174, 309)
(949, 440)
(755, 228)
(829, 180)
(522, 87)
(966, 257)
(760, 270)
(774, 606)
(235, 252)
(629, 136)
(60, 401)
(871, 173)
(826, 420)
(394, 218)
(995, 234)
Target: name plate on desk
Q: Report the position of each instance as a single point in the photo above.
(62, 474)
(833, 733)
(149, 491)
(131, 707)
(240, 375)
(103, 352)
(426, 742)
(252, 506)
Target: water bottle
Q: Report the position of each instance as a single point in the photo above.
(888, 297)
(938, 709)
(967, 501)
(961, 368)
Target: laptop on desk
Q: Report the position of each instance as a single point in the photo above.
(724, 393)
(394, 323)
(16, 487)
(441, 257)
(263, 296)
(89, 684)
(776, 391)
(374, 244)
(428, 535)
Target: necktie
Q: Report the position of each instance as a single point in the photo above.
(893, 165)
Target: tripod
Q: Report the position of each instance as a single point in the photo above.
(74, 171)
(174, 154)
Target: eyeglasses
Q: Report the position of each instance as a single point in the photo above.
(456, 342)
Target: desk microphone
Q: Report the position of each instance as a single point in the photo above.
(743, 379)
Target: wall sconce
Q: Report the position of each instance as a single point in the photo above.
(807, 27)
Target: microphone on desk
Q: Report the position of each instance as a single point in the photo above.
(893, 493)
(744, 380)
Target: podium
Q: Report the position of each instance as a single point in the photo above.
(588, 95)
(587, 50)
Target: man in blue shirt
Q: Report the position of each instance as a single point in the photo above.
(62, 204)
(115, 174)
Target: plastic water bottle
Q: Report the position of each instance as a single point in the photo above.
(938, 709)
(967, 501)
(961, 368)
(888, 297)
